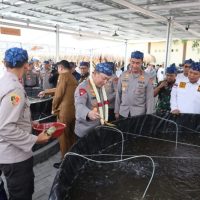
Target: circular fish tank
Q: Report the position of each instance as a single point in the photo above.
(143, 157)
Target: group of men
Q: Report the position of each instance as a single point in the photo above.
(84, 102)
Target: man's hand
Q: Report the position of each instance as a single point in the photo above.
(41, 94)
(175, 112)
(163, 84)
(43, 138)
(93, 114)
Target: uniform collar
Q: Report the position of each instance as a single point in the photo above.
(12, 75)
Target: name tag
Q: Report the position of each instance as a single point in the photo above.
(182, 85)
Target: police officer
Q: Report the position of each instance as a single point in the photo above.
(45, 74)
(163, 90)
(135, 90)
(16, 140)
(31, 78)
(185, 95)
(111, 88)
(91, 102)
(84, 68)
(186, 66)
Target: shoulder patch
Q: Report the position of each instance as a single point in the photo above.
(198, 89)
(82, 91)
(15, 99)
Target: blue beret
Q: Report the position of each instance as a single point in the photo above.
(105, 68)
(195, 66)
(171, 69)
(137, 55)
(16, 55)
(84, 64)
(188, 62)
(46, 62)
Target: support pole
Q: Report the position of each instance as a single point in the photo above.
(125, 56)
(57, 43)
(168, 43)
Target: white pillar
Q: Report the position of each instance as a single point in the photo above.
(125, 56)
(57, 43)
(168, 42)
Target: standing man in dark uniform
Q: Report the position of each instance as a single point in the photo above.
(84, 67)
(163, 90)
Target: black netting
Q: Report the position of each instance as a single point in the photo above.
(171, 141)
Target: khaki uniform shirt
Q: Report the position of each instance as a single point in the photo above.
(134, 94)
(63, 101)
(85, 101)
(16, 140)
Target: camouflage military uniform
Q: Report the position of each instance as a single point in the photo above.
(164, 95)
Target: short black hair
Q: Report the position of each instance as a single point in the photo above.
(65, 64)
(18, 64)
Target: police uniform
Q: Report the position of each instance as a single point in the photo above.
(44, 76)
(134, 94)
(185, 96)
(85, 101)
(63, 107)
(31, 79)
(111, 88)
(16, 140)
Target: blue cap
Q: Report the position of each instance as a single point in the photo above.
(171, 69)
(46, 62)
(195, 66)
(188, 62)
(87, 64)
(105, 68)
(137, 55)
(16, 55)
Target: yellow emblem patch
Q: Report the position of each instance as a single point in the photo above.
(198, 89)
(182, 85)
(15, 99)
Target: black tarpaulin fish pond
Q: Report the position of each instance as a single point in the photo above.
(144, 157)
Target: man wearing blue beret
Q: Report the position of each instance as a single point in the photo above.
(84, 68)
(91, 102)
(135, 90)
(163, 90)
(16, 140)
(186, 66)
(185, 95)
